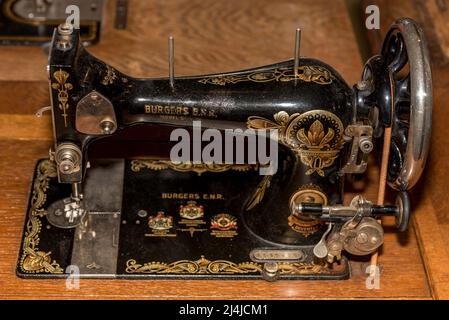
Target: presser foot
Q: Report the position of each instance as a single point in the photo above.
(66, 213)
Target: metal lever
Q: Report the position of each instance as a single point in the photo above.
(339, 211)
(357, 229)
(362, 145)
(320, 250)
(359, 208)
(39, 113)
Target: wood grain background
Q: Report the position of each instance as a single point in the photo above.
(211, 36)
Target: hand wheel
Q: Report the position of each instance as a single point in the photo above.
(402, 92)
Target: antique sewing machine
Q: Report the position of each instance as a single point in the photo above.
(111, 202)
(31, 22)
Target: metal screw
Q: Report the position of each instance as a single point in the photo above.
(349, 131)
(94, 96)
(271, 267)
(366, 145)
(142, 213)
(270, 271)
(65, 42)
(66, 166)
(362, 238)
(65, 29)
(107, 126)
(64, 45)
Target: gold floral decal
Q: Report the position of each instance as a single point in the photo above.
(110, 76)
(137, 165)
(316, 74)
(63, 88)
(316, 149)
(33, 260)
(316, 136)
(260, 193)
(205, 266)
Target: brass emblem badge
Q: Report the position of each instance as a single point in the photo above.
(160, 221)
(316, 136)
(192, 214)
(223, 225)
(160, 225)
(191, 211)
(224, 222)
(301, 224)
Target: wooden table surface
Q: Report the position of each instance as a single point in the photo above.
(211, 36)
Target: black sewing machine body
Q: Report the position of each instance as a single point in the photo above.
(135, 213)
(229, 100)
(221, 100)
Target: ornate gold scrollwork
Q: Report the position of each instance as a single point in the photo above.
(34, 260)
(316, 136)
(316, 74)
(201, 266)
(63, 88)
(205, 266)
(137, 165)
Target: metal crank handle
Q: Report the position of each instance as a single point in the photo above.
(39, 113)
(338, 211)
(359, 208)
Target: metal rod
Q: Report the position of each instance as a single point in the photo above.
(76, 191)
(297, 50)
(171, 65)
(381, 191)
(121, 15)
